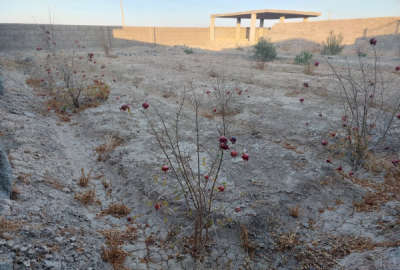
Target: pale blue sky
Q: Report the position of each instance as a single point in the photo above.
(178, 12)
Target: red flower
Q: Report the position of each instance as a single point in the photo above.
(333, 134)
(301, 100)
(328, 161)
(224, 146)
(38, 49)
(165, 168)
(398, 68)
(208, 92)
(398, 116)
(316, 63)
(351, 174)
(129, 219)
(306, 85)
(245, 156)
(233, 140)
(157, 206)
(223, 139)
(372, 41)
(206, 177)
(324, 142)
(215, 110)
(234, 154)
(237, 209)
(340, 168)
(221, 188)
(125, 108)
(145, 105)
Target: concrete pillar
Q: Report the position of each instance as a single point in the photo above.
(282, 19)
(238, 21)
(261, 27)
(212, 28)
(253, 28)
(122, 14)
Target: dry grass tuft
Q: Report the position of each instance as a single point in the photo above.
(287, 241)
(294, 211)
(117, 210)
(34, 83)
(24, 178)
(84, 179)
(380, 193)
(113, 253)
(245, 242)
(15, 192)
(105, 149)
(86, 197)
(7, 226)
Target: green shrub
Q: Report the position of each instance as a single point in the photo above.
(188, 50)
(361, 54)
(304, 58)
(264, 51)
(333, 44)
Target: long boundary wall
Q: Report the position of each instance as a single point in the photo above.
(288, 35)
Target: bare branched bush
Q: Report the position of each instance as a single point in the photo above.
(333, 44)
(196, 180)
(69, 76)
(371, 110)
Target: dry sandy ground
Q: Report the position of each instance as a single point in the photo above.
(287, 169)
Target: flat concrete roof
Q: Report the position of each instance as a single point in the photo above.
(270, 14)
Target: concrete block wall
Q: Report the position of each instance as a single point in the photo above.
(32, 36)
(292, 37)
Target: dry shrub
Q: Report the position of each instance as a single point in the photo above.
(34, 83)
(113, 253)
(93, 95)
(380, 193)
(84, 179)
(287, 241)
(105, 149)
(260, 65)
(86, 197)
(24, 178)
(294, 211)
(249, 247)
(117, 210)
(7, 226)
(15, 192)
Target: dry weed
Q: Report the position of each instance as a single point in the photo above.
(86, 197)
(117, 210)
(84, 179)
(7, 226)
(105, 149)
(294, 211)
(245, 242)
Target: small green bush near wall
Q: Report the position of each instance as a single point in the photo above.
(333, 44)
(304, 58)
(188, 50)
(264, 51)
